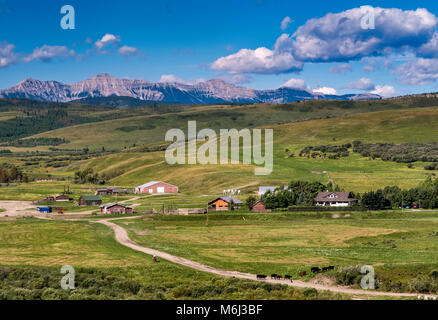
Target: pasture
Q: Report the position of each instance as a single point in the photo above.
(34, 250)
(399, 245)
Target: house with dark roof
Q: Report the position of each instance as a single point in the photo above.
(110, 208)
(335, 199)
(156, 187)
(90, 201)
(224, 204)
(111, 191)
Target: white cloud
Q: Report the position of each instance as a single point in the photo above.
(325, 90)
(296, 83)
(341, 68)
(128, 51)
(384, 91)
(362, 84)
(340, 37)
(262, 60)
(7, 55)
(430, 49)
(285, 23)
(107, 39)
(48, 53)
(171, 78)
(237, 79)
(417, 72)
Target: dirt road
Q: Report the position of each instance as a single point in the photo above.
(122, 237)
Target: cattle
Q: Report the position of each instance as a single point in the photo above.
(261, 277)
(288, 277)
(315, 269)
(328, 268)
(303, 273)
(278, 277)
(274, 276)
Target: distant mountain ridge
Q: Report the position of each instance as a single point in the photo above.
(207, 92)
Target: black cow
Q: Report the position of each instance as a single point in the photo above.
(261, 277)
(324, 269)
(288, 277)
(331, 267)
(315, 269)
(274, 276)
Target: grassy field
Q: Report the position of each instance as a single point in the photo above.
(29, 246)
(355, 172)
(143, 126)
(399, 245)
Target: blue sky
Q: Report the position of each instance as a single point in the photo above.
(185, 41)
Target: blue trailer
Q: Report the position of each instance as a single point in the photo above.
(44, 209)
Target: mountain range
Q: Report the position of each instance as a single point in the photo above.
(207, 92)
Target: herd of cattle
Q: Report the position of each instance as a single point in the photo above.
(275, 276)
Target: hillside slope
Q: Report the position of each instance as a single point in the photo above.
(354, 172)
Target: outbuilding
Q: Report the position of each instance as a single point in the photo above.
(90, 201)
(156, 187)
(115, 208)
(224, 204)
(62, 197)
(259, 206)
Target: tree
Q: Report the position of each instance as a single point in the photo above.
(375, 200)
(250, 202)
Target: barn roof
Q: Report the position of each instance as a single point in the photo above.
(338, 196)
(91, 198)
(228, 200)
(109, 205)
(151, 183)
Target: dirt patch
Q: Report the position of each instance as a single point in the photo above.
(323, 279)
(316, 172)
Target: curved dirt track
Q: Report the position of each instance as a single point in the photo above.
(122, 237)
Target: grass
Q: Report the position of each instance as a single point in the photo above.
(405, 243)
(45, 246)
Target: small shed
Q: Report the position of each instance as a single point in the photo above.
(259, 206)
(90, 201)
(62, 197)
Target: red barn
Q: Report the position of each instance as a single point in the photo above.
(156, 187)
(258, 207)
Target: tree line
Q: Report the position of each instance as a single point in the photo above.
(10, 173)
(303, 193)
